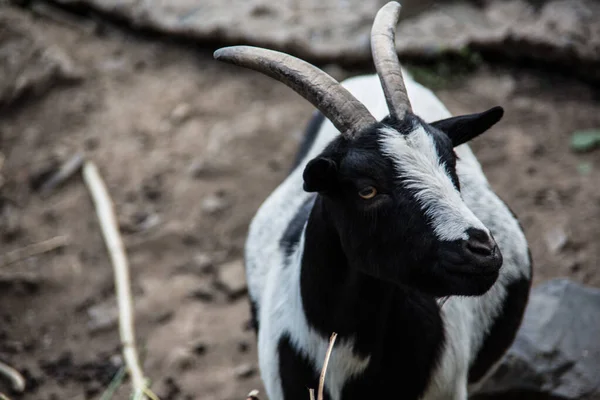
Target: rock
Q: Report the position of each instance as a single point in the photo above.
(561, 32)
(116, 360)
(556, 239)
(197, 168)
(214, 204)
(12, 347)
(169, 389)
(134, 220)
(181, 113)
(204, 263)
(181, 359)
(29, 64)
(244, 371)
(152, 188)
(243, 346)
(103, 316)
(164, 127)
(204, 292)
(199, 348)
(556, 353)
(163, 317)
(231, 280)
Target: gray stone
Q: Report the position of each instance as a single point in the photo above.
(181, 359)
(204, 292)
(556, 354)
(103, 316)
(231, 279)
(198, 168)
(556, 239)
(181, 113)
(29, 64)
(563, 32)
(213, 204)
(244, 371)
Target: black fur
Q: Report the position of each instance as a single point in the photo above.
(309, 137)
(297, 373)
(253, 315)
(291, 236)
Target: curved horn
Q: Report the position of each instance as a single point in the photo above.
(345, 112)
(383, 48)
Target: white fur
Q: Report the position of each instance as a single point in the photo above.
(275, 289)
(418, 165)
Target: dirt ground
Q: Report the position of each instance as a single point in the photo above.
(189, 148)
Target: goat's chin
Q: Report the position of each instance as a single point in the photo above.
(443, 283)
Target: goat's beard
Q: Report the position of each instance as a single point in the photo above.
(442, 300)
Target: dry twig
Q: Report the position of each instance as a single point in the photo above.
(325, 363)
(66, 170)
(253, 395)
(114, 244)
(33, 250)
(16, 379)
(1, 165)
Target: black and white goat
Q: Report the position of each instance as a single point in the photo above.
(387, 213)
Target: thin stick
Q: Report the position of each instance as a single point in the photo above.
(1, 177)
(16, 379)
(311, 393)
(33, 250)
(68, 169)
(253, 395)
(324, 370)
(114, 385)
(114, 244)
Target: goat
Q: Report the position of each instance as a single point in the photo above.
(386, 215)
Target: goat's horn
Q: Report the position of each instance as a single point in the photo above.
(345, 112)
(383, 48)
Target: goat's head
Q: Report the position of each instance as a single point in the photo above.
(390, 188)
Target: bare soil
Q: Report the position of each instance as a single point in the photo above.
(189, 148)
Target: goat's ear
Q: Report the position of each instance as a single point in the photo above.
(320, 174)
(463, 128)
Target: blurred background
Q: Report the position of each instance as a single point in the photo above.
(189, 148)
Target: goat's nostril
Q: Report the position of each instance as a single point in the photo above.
(480, 248)
(480, 243)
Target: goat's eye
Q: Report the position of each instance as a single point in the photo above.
(367, 192)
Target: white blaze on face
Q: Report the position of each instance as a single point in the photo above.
(417, 163)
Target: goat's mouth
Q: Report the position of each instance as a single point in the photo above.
(468, 281)
(460, 274)
(471, 264)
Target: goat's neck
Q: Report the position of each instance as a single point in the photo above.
(337, 297)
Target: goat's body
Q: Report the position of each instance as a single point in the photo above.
(420, 350)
